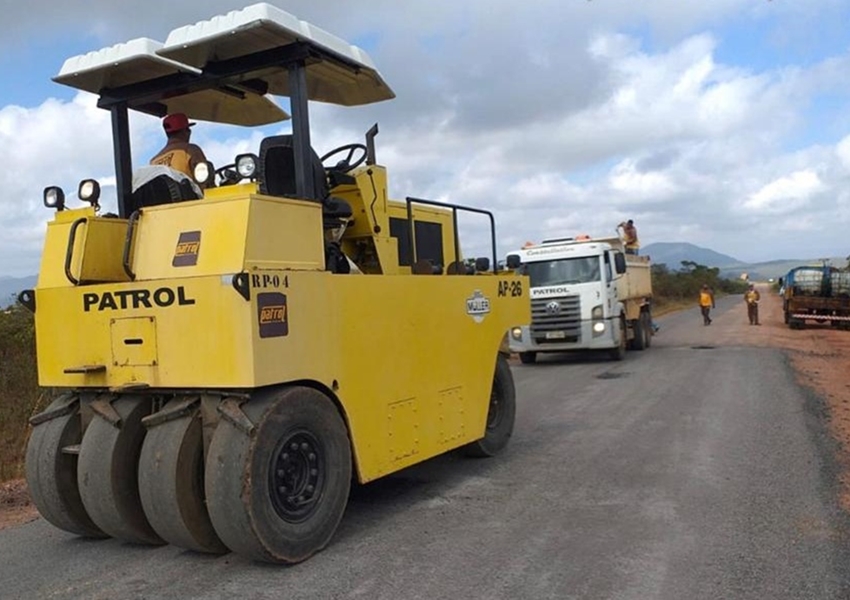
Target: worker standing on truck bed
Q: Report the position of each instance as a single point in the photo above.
(630, 237)
(752, 297)
(706, 303)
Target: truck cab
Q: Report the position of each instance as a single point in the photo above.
(586, 294)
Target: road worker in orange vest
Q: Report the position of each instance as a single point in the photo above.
(706, 303)
(752, 297)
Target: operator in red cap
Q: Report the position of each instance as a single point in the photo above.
(178, 153)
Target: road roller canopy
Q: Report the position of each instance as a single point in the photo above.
(224, 70)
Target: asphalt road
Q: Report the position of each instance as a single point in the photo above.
(687, 471)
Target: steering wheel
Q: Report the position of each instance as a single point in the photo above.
(345, 165)
(227, 175)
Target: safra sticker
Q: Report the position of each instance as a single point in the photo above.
(477, 306)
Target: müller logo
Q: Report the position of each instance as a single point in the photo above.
(188, 247)
(272, 315)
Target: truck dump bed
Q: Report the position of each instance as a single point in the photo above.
(636, 282)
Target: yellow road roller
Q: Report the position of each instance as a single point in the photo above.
(237, 343)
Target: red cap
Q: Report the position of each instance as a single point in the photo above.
(176, 122)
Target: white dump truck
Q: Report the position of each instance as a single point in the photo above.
(586, 294)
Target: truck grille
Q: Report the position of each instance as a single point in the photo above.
(556, 320)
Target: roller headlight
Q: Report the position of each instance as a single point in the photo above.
(54, 197)
(89, 191)
(203, 173)
(246, 165)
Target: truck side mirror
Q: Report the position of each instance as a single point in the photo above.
(620, 263)
(514, 261)
(482, 264)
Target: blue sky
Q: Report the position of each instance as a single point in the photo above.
(722, 123)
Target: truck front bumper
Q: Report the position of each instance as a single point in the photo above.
(587, 340)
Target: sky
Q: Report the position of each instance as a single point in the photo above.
(724, 123)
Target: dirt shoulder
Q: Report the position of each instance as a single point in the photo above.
(15, 505)
(819, 354)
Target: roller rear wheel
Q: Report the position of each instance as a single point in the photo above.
(171, 482)
(51, 469)
(501, 414)
(278, 494)
(108, 471)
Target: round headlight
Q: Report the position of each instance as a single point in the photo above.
(516, 333)
(599, 327)
(246, 165)
(203, 172)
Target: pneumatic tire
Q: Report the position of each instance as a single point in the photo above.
(619, 352)
(51, 470)
(171, 483)
(108, 472)
(647, 327)
(501, 414)
(639, 333)
(278, 494)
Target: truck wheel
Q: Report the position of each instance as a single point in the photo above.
(51, 471)
(500, 414)
(639, 333)
(619, 353)
(787, 316)
(171, 483)
(647, 328)
(278, 494)
(108, 472)
(528, 358)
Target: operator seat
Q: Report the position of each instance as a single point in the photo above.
(277, 178)
(156, 184)
(277, 169)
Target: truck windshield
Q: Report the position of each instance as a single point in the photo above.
(562, 272)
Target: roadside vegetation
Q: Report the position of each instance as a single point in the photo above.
(672, 290)
(20, 396)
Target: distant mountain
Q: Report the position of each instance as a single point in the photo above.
(673, 253)
(10, 286)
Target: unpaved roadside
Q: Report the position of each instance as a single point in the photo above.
(819, 354)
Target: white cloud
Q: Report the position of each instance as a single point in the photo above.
(547, 113)
(786, 194)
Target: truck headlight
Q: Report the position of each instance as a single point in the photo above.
(516, 333)
(599, 327)
(597, 312)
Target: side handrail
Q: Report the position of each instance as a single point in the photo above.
(128, 245)
(69, 251)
